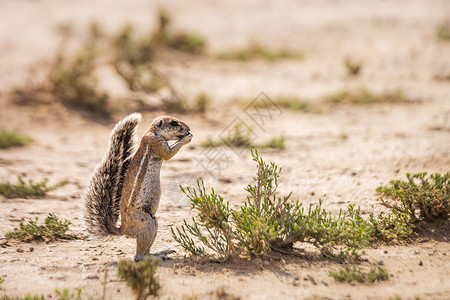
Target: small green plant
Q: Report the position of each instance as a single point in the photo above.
(66, 295)
(443, 31)
(133, 61)
(353, 67)
(364, 96)
(421, 197)
(2, 279)
(181, 41)
(202, 102)
(59, 295)
(53, 228)
(266, 222)
(291, 103)
(140, 276)
(255, 50)
(391, 226)
(418, 198)
(350, 274)
(274, 143)
(186, 42)
(242, 137)
(27, 297)
(24, 189)
(70, 77)
(10, 139)
(175, 104)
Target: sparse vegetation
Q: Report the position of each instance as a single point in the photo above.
(10, 139)
(2, 279)
(53, 229)
(187, 42)
(133, 61)
(421, 197)
(359, 96)
(267, 222)
(255, 50)
(242, 137)
(72, 80)
(353, 67)
(28, 189)
(59, 295)
(27, 297)
(291, 103)
(67, 295)
(443, 31)
(298, 105)
(365, 96)
(354, 273)
(418, 198)
(202, 102)
(275, 143)
(140, 276)
(70, 77)
(181, 41)
(175, 104)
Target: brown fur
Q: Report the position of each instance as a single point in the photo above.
(141, 190)
(140, 198)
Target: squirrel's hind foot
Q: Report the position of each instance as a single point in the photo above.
(163, 255)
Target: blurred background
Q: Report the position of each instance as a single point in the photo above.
(392, 43)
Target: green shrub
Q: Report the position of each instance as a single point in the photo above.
(133, 61)
(255, 50)
(202, 102)
(365, 96)
(393, 225)
(266, 223)
(175, 104)
(350, 274)
(443, 31)
(72, 79)
(293, 103)
(353, 67)
(419, 196)
(24, 190)
(186, 42)
(28, 297)
(10, 139)
(53, 228)
(242, 137)
(275, 143)
(140, 276)
(2, 279)
(181, 41)
(66, 295)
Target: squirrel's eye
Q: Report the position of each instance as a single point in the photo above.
(174, 123)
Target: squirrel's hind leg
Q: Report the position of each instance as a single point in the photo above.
(145, 236)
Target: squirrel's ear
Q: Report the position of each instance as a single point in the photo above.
(159, 123)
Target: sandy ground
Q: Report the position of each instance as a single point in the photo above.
(396, 42)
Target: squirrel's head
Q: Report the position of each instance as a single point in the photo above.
(169, 127)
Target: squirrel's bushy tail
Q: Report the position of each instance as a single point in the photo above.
(102, 198)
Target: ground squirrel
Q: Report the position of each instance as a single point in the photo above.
(132, 182)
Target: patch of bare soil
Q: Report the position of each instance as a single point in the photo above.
(341, 155)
